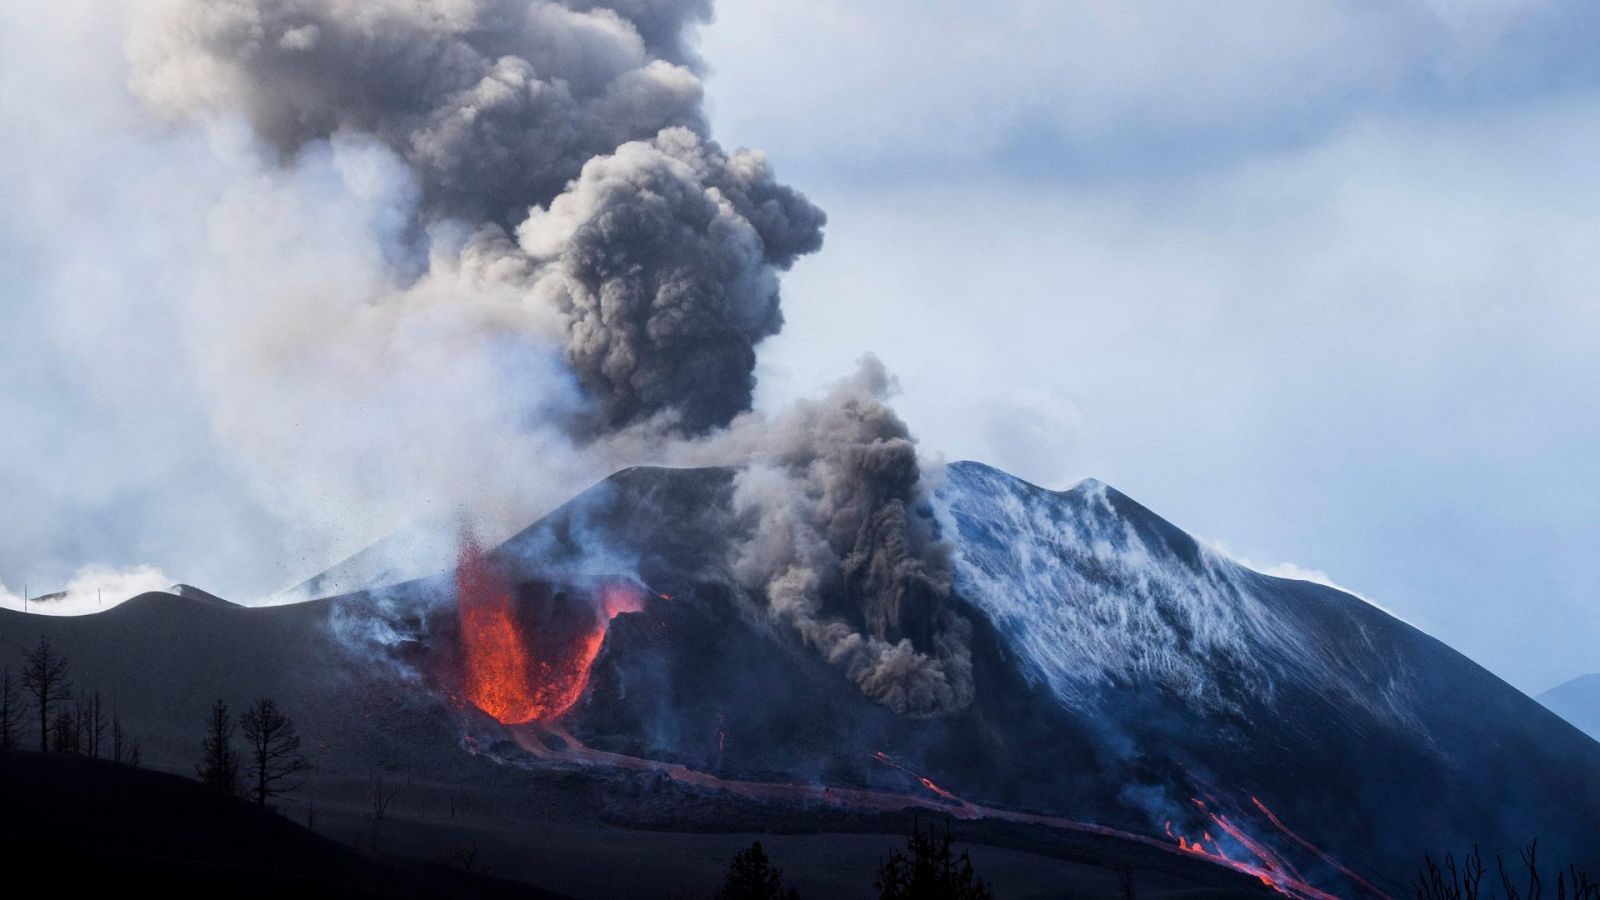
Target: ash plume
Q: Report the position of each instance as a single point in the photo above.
(495, 104)
(663, 257)
(839, 537)
(572, 124)
(474, 254)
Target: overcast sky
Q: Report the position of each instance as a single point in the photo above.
(1316, 281)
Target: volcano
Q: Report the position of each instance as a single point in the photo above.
(1128, 677)
(1142, 704)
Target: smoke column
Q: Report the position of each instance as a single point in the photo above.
(474, 254)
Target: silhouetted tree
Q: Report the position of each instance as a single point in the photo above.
(92, 723)
(930, 872)
(10, 711)
(274, 750)
(465, 855)
(45, 678)
(379, 795)
(752, 876)
(83, 718)
(64, 731)
(1464, 880)
(119, 744)
(219, 762)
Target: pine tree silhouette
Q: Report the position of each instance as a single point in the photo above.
(753, 877)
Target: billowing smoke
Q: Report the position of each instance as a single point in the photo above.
(663, 257)
(840, 538)
(495, 104)
(478, 253)
(568, 123)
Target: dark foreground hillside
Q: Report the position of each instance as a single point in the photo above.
(83, 824)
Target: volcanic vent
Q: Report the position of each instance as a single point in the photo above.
(524, 648)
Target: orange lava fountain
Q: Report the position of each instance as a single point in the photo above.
(500, 672)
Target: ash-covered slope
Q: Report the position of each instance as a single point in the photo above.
(1373, 737)
(1577, 701)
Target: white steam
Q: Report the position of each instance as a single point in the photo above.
(93, 589)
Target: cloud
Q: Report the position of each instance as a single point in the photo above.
(1080, 90)
(1369, 342)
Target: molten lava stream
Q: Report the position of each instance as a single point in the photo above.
(567, 749)
(1321, 854)
(515, 676)
(1269, 866)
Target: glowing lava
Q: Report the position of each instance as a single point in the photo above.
(495, 665)
(1259, 860)
(508, 672)
(1321, 854)
(923, 780)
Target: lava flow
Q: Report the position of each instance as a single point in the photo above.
(553, 744)
(1271, 867)
(509, 671)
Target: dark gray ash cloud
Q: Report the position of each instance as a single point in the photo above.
(495, 103)
(579, 124)
(665, 257)
(840, 538)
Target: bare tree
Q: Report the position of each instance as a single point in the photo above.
(274, 748)
(10, 711)
(1465, 880)
(65, 731)
(219, 762)
(80, 721)
(465, 855)
(92, 720)
(119, 742)
(45, 678)
(379, 795)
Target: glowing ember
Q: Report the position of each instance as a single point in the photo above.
(1259, 860)
(923, 780)
(515, 676)
(617, 598)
